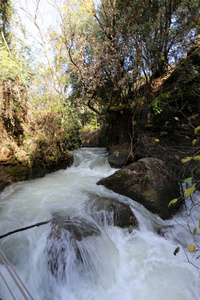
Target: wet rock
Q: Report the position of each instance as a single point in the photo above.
(78, 226)
(111, 211)
(64, 242)
(149, 182)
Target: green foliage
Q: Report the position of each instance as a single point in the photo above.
(145, 178)
(90, 127)
(159, 102)
(12, 69)
(113, 45)
(6, 11)
(55, 136)
(187, 180)
(96, 63)
(159, 28)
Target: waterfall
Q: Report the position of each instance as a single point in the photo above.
(77, 257)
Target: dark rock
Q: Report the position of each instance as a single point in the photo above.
(116, 160)
(120, 155)
(111, 211)
(119, 159)
(149, 182)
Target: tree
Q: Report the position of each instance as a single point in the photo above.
(103, 53)
(113, 45)
(98, 58)
(6, 11)
(161, 30)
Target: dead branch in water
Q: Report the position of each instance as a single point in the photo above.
(24, 228)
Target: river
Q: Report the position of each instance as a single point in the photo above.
(119, 264)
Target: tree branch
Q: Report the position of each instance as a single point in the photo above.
(24, 228)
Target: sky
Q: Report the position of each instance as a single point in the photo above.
(45, 15)
(44, 9)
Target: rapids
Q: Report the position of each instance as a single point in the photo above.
(118, 264)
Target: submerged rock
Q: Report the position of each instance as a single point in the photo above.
(111, 211)
(78, 251)
(149, 182)
(63, 242)
(78, 226)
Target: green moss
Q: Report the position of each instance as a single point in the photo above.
(118, 108)
(158, 102)
(18, 170)
(122, 177)
(180, 95)
(145, 178)
(149, 193)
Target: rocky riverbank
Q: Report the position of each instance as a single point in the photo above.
(19, 168)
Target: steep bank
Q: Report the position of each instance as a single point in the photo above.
(29, 145)
(35, 135)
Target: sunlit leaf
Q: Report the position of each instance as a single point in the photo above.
(195, 230)
(189, 191)
(194, 142)
(189, 179)
(196, 129)
(157, 140)
(167, 30)
(172, 202)
(176, 118)
(191, 248)
(186, 159)
(197, 157)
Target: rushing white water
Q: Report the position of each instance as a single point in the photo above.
(115, 264)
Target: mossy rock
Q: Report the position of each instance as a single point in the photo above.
(149, 182)
(19, 171)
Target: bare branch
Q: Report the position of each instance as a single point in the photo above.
(24, 228)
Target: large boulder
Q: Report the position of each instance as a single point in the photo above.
(149, 182)
(108, 211)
